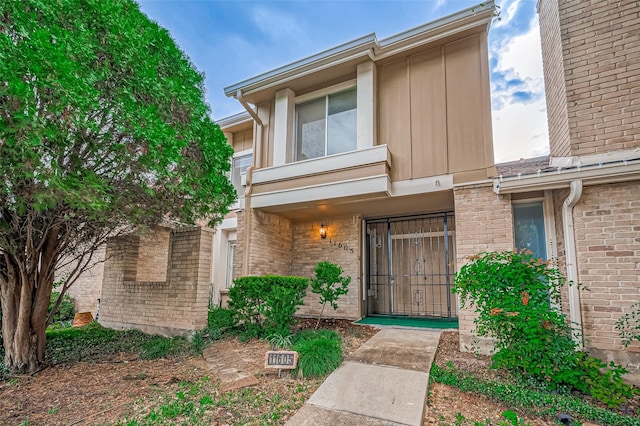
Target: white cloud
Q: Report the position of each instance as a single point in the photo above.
(520, 131)
(523, 54)
(507, 12)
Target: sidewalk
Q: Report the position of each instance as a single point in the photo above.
(383, 383)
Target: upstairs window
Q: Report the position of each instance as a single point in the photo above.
(239, 165)
(326, 125)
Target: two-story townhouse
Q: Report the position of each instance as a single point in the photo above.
(356, 155)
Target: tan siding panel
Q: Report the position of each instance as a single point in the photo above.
(394, 117)
(428, 114)
(464, 105)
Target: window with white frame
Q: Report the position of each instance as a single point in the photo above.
(231, 256)
(529, 228)
(326, 125)
(239, 165)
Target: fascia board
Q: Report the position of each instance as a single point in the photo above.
(358, 47)
(475, 16)
(232, 120)
(608, 173)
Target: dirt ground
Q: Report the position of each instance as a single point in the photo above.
(123, 387)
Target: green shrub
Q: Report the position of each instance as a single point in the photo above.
(220, 318)
(266, 305)
(66, 309)
(517, 298)
(329, 284)
(319, 352)
(628, 325)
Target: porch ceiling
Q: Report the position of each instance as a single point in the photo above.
(367, 207)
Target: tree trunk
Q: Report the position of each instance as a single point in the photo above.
(25, 300)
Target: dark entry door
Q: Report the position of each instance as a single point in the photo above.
(410, 264)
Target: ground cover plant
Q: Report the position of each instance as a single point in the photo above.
(517, 299)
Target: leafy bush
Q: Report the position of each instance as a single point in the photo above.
(329, 284)
(517, 298)
(266, 305)
(66, 309)
(628, 325)
(319, 352)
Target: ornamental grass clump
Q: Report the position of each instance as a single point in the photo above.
(518, 302)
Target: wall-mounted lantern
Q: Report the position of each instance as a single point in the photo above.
(323, 231)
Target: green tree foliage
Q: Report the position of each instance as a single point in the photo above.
(103, 128)
(329, 284)
(517, 299)
(265, 305)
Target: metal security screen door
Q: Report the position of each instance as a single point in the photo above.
(410, 266)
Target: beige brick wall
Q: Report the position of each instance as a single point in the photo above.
(270, 244)
(88, 287)
(309, 249)
(601, 59)
(484, 222)
(555, 89)
(281, 247)
(153, 252)
(176, 306)
(607, 228)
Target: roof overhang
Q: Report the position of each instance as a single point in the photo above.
(341, 61)
(622, 171)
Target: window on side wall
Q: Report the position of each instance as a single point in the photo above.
(529, 230)
(231, 257)
(326, 125)
(239, 165)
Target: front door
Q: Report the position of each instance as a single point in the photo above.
(410, 264)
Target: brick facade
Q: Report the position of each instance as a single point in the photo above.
(600, 60)
(607, 229)
(342, 247)
(88, 287)
(484, 222)
(279, 246)
(174, 306)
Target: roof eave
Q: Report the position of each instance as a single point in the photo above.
(480, 15)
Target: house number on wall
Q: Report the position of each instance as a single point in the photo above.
(340, 245)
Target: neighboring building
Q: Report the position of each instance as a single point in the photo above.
(586, 205)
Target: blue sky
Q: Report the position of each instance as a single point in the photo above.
(231, 40)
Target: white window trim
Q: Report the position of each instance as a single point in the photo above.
(325, 91)
(319, 94)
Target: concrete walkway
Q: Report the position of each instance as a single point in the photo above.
(383, 383)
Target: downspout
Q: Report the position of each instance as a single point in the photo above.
(257, 163)
(575, 312)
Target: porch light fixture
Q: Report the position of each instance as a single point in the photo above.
(323, 231)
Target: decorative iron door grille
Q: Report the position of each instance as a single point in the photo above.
(410, 266)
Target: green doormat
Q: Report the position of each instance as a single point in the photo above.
(410, 322)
